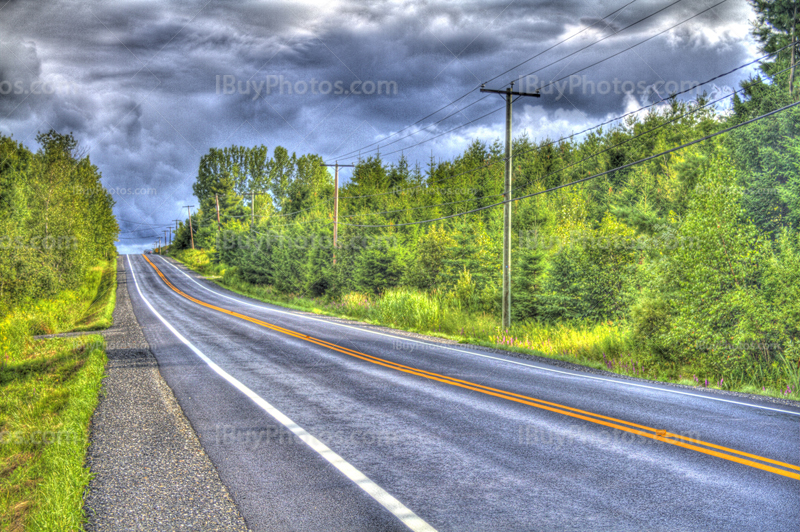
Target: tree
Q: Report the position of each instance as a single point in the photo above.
(775, 27)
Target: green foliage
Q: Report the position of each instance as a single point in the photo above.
(432, 251)
(56, 219)
(48, 391)
(775, 27)
(379, 268)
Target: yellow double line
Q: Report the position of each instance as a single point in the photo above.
(752, 460)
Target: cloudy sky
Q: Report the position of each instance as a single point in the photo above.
(148, 87)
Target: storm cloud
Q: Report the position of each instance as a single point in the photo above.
(148, 87)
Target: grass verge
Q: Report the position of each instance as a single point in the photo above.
(98, 315)
(48, 392)
(604, 345)
(47, 396)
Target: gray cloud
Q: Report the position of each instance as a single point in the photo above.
(138, 82)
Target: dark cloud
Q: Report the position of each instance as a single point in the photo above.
(143, 84)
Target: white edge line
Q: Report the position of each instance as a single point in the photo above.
(533, 366)
(398, 509)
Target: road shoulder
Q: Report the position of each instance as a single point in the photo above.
(150, 472)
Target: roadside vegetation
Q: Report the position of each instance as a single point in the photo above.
(684, 268)
(57, 274)
(603, 345)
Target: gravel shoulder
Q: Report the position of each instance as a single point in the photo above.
(150, 472)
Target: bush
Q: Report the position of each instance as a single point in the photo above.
(650, 322)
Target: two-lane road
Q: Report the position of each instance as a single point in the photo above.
(315, 424)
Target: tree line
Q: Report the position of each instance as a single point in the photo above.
(56, 218)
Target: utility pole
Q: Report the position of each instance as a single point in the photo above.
(252, 208)
(165, 237)
(794, 52)
(191, 231)
(219, 225)
(509, 92)
(336, 202)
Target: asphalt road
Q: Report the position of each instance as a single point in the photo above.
(316, 433)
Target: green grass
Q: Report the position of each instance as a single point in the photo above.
(47, 396)
(98, 315)
(48, 392)
(604, 345)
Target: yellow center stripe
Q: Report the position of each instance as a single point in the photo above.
(641, 430)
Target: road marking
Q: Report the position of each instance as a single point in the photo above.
(398, 509)
(481, 355)
(626, 426)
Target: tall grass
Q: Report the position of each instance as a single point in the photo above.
(99, 314)
(90, 306)
(410, 309)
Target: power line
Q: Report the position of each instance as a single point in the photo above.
(565, 40)
(643, 133)
(492, 79)
(594, 155)
(609, 121)
(631, 47)
(537, 70)
(139, 223)
(623, 167)
(550, 143)
(618, 53)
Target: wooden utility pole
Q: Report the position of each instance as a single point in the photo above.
(794, 52)
(336, 202)
(252, 208)
(165, 237)
(509, 92)
(219, 225)
(191, 231)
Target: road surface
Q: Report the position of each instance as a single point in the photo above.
(316, 424)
